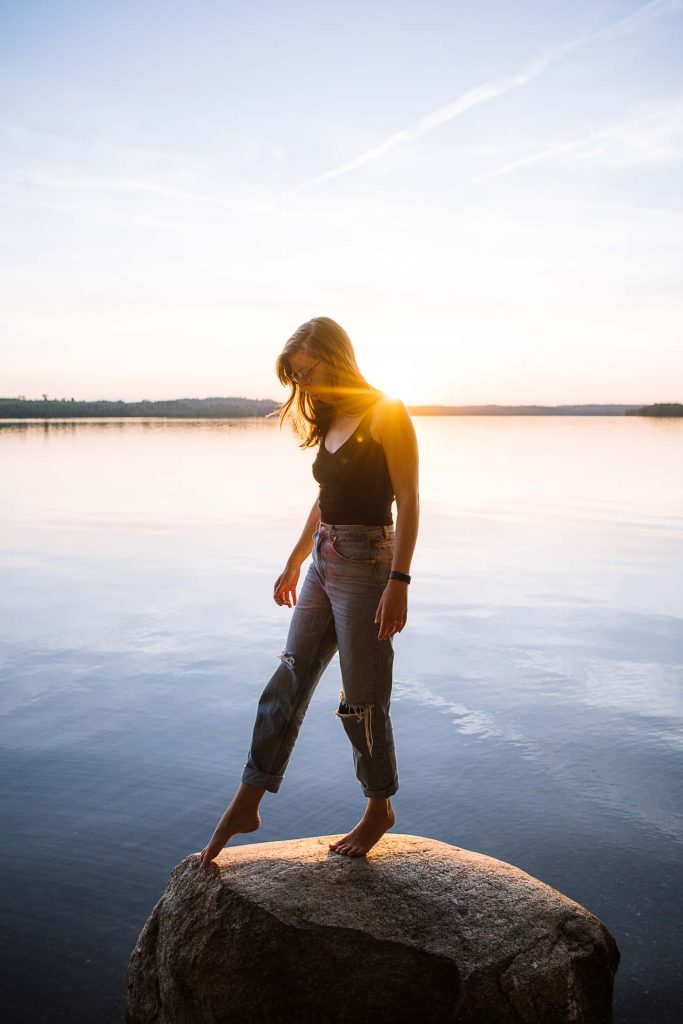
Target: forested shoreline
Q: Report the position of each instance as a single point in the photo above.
(228, 408)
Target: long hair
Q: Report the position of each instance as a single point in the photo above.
(322, 339)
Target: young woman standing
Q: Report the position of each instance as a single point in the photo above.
(354, 598)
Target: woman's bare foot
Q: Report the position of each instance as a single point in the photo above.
(240, 816)
(379, 816)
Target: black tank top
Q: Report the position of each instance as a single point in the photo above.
(355, 486)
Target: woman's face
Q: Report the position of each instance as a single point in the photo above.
(313, 376)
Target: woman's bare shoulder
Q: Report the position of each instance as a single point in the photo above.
(389, 416)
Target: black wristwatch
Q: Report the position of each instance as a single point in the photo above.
(396, 575)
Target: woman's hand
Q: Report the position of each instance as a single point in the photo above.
(284, 591)
(392, 610)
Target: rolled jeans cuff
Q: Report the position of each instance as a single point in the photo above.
(381, 794)
(254, 778)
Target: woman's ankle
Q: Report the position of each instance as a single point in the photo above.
(379, 806)
(248, 796)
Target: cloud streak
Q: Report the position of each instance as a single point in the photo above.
(146, 187)
(480, 94)
(644, 138)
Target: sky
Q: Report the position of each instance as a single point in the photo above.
(487, 197)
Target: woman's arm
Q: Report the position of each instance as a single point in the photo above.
(396, 432)
(397, 435)
(304, 545)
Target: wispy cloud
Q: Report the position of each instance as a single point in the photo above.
(14, 198)
(650, 137)
(638, 137)
(56, 181)
(102, 183)
(138, 172)
(481, 94)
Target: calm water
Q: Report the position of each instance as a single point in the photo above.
(537, 699)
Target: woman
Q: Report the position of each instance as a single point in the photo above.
(357, 581)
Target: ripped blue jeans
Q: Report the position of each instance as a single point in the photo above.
(335, 611)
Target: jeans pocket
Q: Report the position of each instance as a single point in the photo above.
(353, 549)
(384, 550)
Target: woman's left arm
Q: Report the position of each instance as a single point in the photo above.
(396, 433)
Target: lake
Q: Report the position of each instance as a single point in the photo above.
(537, 698)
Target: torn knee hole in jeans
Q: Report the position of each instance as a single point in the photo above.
(361, 712)
(287, 658)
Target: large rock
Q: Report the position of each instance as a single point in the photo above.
(417, 931)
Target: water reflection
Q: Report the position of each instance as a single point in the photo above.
(537, 703)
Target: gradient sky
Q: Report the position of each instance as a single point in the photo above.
(486, 196)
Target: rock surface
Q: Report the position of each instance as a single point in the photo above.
(416, 931)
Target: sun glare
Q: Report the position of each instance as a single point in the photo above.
(393, 382)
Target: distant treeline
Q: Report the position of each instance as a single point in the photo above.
(225, 408)
(658, 409)
(177, 408)
(520, 410)
(663, 409)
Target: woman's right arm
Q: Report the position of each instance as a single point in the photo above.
(304, 545)
(284, 591)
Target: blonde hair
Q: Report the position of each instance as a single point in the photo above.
(322, 339)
